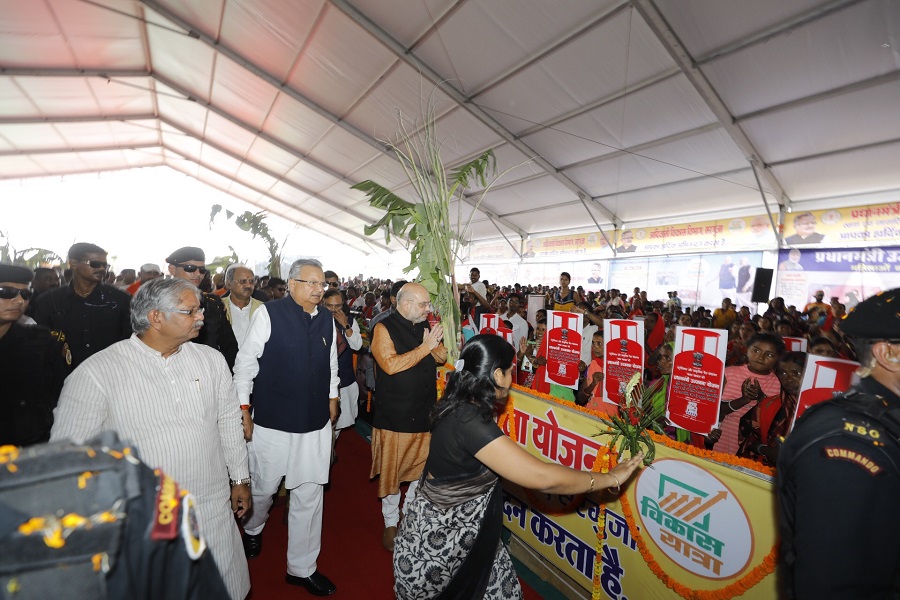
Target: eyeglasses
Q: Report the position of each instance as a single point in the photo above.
(9, 292)
(281, 289)
(333, 283)
(192, 268)
(191, 312)
(321, 284)
(243, 281)
(96, 264)
(424, 304)
(333, 306)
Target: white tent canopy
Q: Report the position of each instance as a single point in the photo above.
(627, 113)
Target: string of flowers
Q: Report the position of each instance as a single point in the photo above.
(736, 588)
(609, 459)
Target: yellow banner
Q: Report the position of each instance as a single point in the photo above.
(561, 246)
(874, 223)
(742, 233)
(686, 524)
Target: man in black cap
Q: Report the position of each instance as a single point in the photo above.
(189, 263)
(33, 364)
(839, 473)
(91, 314)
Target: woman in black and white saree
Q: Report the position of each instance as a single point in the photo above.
(449, 542)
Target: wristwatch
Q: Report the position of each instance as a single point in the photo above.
(348, 328)
(240, 482)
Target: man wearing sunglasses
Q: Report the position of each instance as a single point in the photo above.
(34, 363)
(91, 314)
(189, 263)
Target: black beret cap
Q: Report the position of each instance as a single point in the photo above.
(185, 254)
(876, 318)
(15, 274)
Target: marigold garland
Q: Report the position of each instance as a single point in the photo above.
(752, 578)
(712, 455)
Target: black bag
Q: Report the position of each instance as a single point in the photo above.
(92, 521)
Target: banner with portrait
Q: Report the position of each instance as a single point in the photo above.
(850, 275)
(700, 279)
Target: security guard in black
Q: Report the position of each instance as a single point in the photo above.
(838, 474)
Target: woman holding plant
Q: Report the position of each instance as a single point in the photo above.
(449, 542)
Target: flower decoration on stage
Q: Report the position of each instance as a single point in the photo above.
(636, 417)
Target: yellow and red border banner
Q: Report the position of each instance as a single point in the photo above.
(690, 524)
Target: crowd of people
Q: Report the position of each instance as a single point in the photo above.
(215, 394)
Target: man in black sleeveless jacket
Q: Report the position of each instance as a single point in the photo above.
(839, 474)
(407, 353)
(289, 360)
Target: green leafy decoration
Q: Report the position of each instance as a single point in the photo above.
(434, 236)
(255, 224)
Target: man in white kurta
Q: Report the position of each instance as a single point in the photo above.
(175, 402)
(302, 458)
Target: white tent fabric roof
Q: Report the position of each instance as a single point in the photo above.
(627, 113)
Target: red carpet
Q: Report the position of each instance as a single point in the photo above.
(352, 555)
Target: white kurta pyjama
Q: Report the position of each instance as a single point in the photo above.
(302, 458)
(183, 416)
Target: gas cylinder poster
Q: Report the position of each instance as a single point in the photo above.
(824, 378)
(563, 348)
(698, 372)
(795, 344)
(623, 356)
(491, 323)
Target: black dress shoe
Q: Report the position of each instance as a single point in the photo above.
(316, 584)
(252, 545)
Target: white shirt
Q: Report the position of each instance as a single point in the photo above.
(354, 338)
(182, 415)
(246, 366)
(240, 321)
(520, 327)
(480, 288)
(587, 338)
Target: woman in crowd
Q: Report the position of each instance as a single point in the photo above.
(565, 298)
(449, 542)
(763, 429)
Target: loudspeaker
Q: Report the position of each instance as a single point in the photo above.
(762, 285)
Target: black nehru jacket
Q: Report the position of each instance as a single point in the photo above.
(90, 324)
(34, 363)
(404, 400)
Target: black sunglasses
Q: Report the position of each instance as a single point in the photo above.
(9, 292)
(96, 264)
(192, 268)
